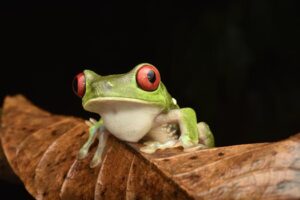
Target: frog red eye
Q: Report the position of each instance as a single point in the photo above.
(148, 77)
(79, 84)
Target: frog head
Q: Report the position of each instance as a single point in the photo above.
(142, 85)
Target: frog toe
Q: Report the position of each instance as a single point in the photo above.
(195, 148)
(148, 149)
(95, 161)
(186, 142)
(83, 152)
(97, 158)
(205, 135)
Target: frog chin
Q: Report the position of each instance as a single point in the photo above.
(127, 119)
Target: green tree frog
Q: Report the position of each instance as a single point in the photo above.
(136, 106)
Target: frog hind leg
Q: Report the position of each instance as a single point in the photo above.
(94, 130)
(194, 136)
(187, 121)
(161, 137)
(188, 127)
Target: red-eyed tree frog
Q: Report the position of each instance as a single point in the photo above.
(136, 106)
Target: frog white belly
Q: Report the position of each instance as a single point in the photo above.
(128, 121)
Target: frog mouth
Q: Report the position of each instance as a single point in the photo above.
(102, 104)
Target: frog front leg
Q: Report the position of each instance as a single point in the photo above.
(193, 136)
(96, 130)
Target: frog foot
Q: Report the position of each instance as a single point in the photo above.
(205, 135)
(83, 152)
(151, 146)
(195, 148)
(93, 132)
(97, 158)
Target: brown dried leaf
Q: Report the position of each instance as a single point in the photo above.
(81, 180)
(31, 150)
(42, 149)
(56, 162)
(20, 119)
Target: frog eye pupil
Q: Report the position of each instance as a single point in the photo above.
(151, 76)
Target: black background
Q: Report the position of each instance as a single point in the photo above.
(235, 63)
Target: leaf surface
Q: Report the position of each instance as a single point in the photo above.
(42, 150)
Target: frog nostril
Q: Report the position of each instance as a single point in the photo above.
(79, 84)
(109, 85)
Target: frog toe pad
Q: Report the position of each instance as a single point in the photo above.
(82, 153)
